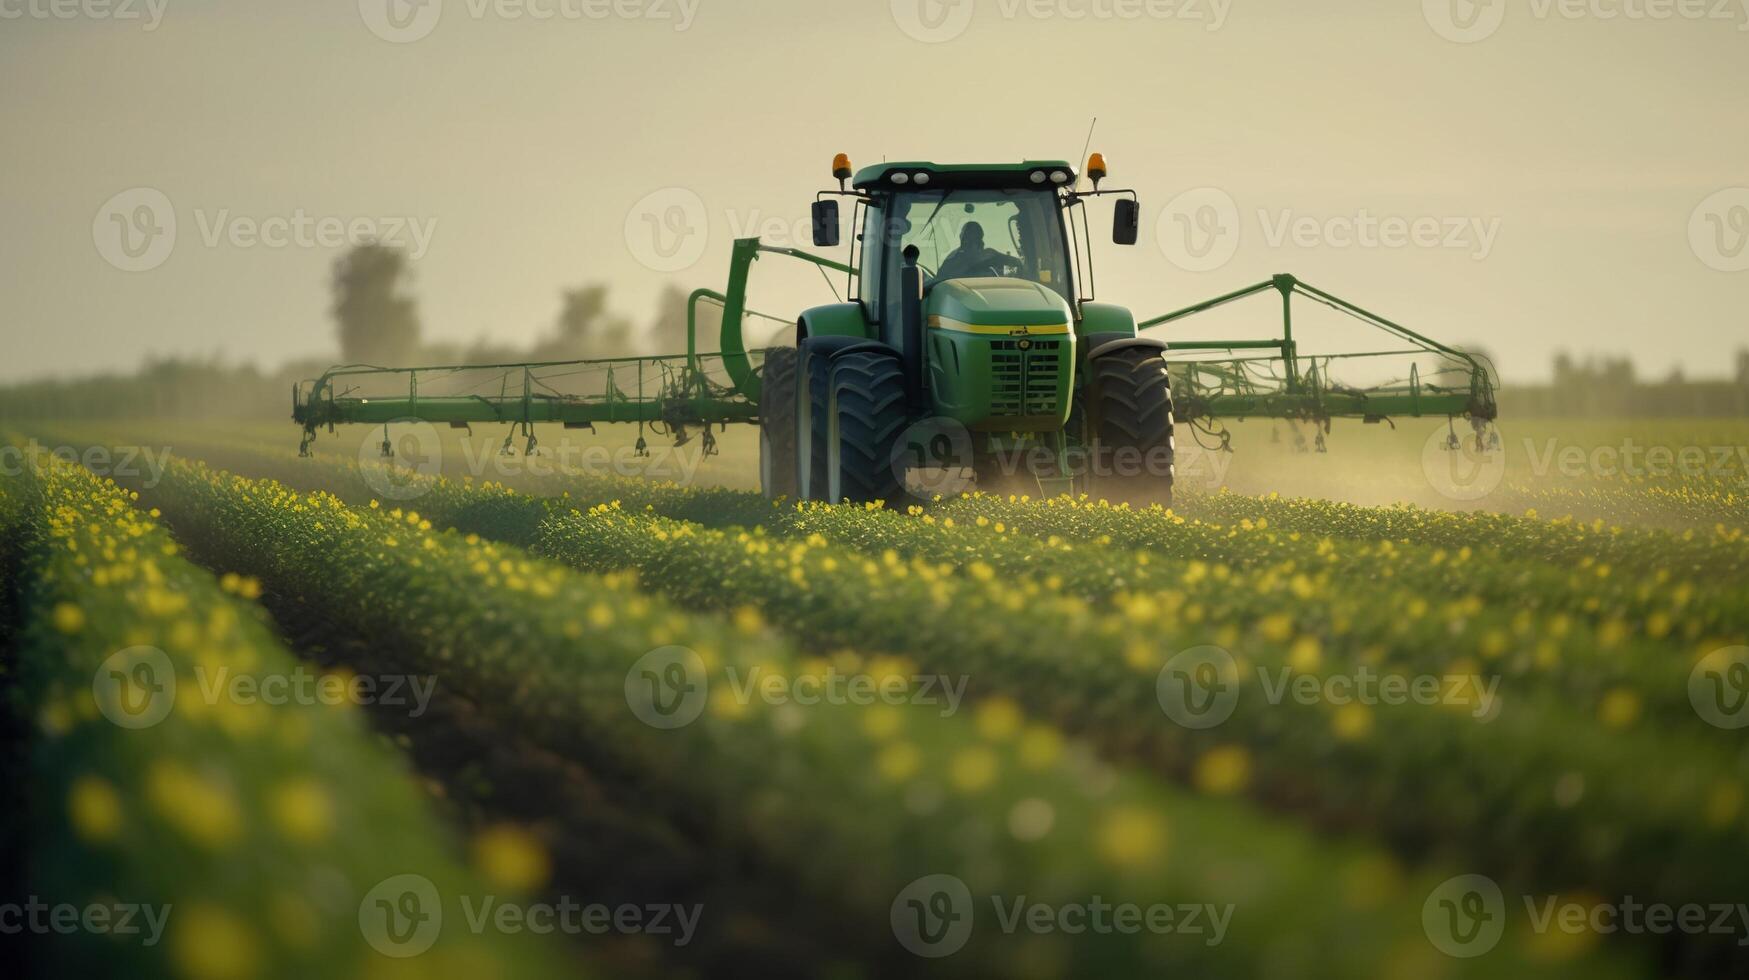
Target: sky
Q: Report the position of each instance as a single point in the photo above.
(1530, 177)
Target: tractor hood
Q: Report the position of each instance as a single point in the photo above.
(994, 304)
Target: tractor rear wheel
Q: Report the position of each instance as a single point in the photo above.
(1128, 419)
(777, 423)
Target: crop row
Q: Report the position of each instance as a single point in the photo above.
(855, 801)
(1691, 554)
(1091, 549)
(245, 831)
(1677, 506)
(1349, 763)
(1609, 643)
(1098, 670)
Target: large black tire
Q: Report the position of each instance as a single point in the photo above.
(869, 411)
(777, 423)
(1128, 420)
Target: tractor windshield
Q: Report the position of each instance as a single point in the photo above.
(964, 234)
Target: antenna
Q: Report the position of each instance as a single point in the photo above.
(1082, 159)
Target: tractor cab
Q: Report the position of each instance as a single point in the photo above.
(969, 339)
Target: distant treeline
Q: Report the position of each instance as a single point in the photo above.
(1609, 388)
(376, 321)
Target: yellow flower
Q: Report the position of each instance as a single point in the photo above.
(303, 810)
(204, 811)
(68, 618)
(1040, 747)
(1276, 628)
(1224, 771)
(998, 719)
(511, 857)
(898, 762)
(1723, 804)
(1353, 722)
(1620, 708)
(1130, 835)
(973, 769)
(94, 808)
(208, 942)
(882, 721)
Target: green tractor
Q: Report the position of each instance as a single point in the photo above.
(969, 345)
(970, 352)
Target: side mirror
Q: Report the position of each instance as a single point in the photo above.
(825, 224)
(1126, 221)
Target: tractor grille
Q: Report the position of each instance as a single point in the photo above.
(1024, 382)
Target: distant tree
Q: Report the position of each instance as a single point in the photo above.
(377, 322)
(585, 328)
(667, 333)
(1743, 367)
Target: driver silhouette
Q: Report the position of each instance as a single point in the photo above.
(973, 258)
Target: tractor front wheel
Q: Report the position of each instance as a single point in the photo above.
(855, 414)
(1128, 427)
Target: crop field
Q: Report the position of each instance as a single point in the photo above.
(1387, 711)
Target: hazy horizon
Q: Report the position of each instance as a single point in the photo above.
(1588, 175)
